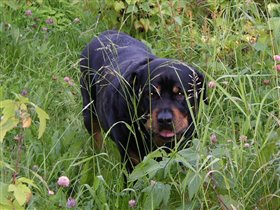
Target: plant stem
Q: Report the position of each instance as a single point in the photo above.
(19, 139)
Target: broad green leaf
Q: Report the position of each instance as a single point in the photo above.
(17, 206)
(194, 184)
(274, 23)
(273, 9)
(146, 167)
(22, 99)
(6, 103)
(8, 206)
(157, 194)
(27, 181)
(260, 46)
(4, 194)
(118, 6)
(100, 189)
(7, 126)
(8, 112)
(21, 192)
(228, 202)
(131, 9)
(43, 116)
(131, 1)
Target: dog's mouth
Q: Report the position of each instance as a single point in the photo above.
(166, 126)
(164, 136)
(167, 134)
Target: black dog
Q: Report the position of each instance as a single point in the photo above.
(141, 100)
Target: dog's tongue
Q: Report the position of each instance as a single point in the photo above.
(167, 134)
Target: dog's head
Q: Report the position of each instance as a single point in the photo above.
(169, 95)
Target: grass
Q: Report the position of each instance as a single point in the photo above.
(232, 43)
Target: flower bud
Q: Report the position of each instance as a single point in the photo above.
(71, 203)
(132, 203)
(63, 181)
(212, 84)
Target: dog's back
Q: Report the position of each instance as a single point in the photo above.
(110, 50)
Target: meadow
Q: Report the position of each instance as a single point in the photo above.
(47, 160)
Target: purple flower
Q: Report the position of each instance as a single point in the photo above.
(63, 181)
(24, 92)
(66, 79)
(49, 21)
(71, 203)
(213, 138)
(266, 82)
(276, 57)
(69, 81)
(28, 12)
(132, 203)
(277, 67)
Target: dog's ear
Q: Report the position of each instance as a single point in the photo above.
(134, 80)
(201, 87)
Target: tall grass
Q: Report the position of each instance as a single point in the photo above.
(233, 162)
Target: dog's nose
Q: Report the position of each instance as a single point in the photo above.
(165, 118)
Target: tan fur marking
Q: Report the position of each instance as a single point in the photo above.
(180, 123)
(134, 157)
(98, 139)
(175, 90)
(179, 120)
(152, 121)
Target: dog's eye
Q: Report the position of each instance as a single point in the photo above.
(154, 94)
(179, 95)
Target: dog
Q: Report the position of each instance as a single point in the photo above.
(141, 101)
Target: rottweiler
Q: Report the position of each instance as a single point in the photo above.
(140, 100)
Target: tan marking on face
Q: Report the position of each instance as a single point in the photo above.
(156, 90)
(151, 123)
(180, 124)
(175, 90)
(134, 157)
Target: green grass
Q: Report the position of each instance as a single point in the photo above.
(231, 42)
